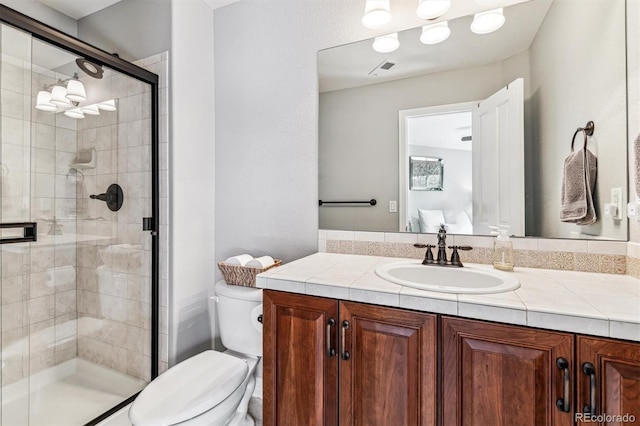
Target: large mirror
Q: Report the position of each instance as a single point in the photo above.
(498, 109)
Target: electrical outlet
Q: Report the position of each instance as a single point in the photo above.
(393, 207)
(633, 211)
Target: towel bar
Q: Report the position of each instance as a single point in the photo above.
(371, 202)
(587, 130)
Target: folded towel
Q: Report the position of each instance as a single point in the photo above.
(578, 183)
(241, 259)
(261, 262)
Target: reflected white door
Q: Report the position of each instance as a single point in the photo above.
(498, 161)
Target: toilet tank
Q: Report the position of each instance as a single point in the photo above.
(238, 309)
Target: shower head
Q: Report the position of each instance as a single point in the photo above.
(90, 68)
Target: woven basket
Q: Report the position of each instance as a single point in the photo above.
(243, 275)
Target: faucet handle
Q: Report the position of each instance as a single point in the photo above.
(428, 256)
(455, 257)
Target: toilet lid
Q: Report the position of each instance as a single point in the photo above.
(188, 389)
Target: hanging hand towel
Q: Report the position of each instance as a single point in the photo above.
(578, 184)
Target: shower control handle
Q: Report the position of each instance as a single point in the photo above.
(106, 197)
(114, 197)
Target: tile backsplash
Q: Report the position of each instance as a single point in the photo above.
(611, 257)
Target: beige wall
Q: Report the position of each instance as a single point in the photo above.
(573, 99)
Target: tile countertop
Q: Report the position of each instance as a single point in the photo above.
(580, 302)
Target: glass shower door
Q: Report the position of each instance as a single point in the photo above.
(16, 186)
(75, 289)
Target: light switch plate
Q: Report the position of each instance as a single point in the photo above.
(393, 206)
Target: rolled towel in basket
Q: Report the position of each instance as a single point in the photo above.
(240, 260)
(261, 262)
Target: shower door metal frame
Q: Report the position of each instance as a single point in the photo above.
(74, 45)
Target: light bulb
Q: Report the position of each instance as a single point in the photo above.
(488, 22)
(74, 113)
(435, 33)
(386, 43)
(59, 96)
(90, 109)
(377, 13)
(43, 102)
(109, 105)
(431, 9)
(75, 91)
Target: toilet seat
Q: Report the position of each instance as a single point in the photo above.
(188, 389)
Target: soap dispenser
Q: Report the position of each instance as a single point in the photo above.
(502, 250)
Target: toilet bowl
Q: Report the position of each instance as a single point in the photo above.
(211, 388)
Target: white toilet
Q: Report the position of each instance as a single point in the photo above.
(211, 388)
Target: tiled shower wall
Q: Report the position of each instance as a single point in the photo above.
(38, 286)
(63, 299)
(114, 326)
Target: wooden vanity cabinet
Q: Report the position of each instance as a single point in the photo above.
(497, 374)
(300, 378)
(328, 363)
(608, 379)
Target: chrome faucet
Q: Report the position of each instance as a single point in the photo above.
(441, 259)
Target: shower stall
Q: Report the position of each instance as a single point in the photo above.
(78, 227)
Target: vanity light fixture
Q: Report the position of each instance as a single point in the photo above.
(386, 43)
(109, 105)
(59, 96)
(43, 101)
(74, 113)
(488, 22)
(76, 91)
(377, 13)
(435, 33)
(431, 9)
(91, 109)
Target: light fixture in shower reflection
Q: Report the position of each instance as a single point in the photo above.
(76, 91)
(74, 113)
(435, 33)
(59, 96)
(386, 43)
(377, 13)
(109, 105)
(90, 109)
(43, 102)
(488, 22)
(431, 9)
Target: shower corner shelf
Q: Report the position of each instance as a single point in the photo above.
(91, 164)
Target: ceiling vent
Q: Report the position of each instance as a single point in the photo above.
(382, 68)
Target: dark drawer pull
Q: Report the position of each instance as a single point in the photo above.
(564, 403)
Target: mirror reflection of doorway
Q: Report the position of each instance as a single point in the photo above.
(482, 145)
(445, 133)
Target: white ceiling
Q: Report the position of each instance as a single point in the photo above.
(78, 9)
(349, 65)
(441, 130)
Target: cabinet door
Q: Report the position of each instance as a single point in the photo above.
(388, 370)
(609, 376)
(300, 373)
(504, 375)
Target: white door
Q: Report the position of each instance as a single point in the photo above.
(498, 161)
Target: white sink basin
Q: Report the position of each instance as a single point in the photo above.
(468, 279)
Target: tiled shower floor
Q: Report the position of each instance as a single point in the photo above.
(69, 394)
